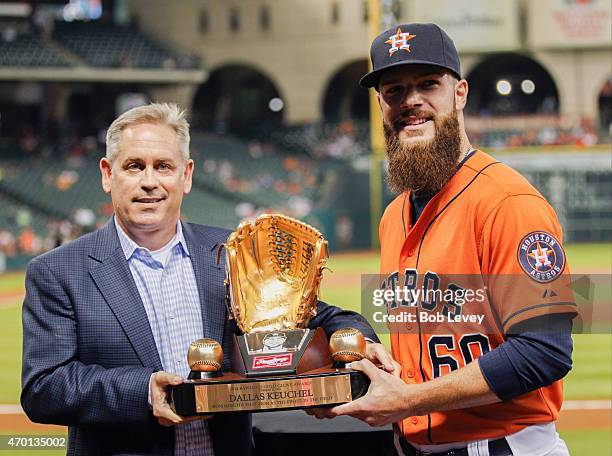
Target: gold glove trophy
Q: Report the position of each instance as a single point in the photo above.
(274, 269)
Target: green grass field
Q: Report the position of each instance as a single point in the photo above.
(10, 356)
(591, 377)
(11, 282)
(588, 442)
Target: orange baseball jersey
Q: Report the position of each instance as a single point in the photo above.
(488, 230)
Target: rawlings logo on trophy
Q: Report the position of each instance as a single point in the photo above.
(274, 269)
(260, 362)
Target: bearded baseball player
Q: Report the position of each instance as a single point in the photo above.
(485, 377)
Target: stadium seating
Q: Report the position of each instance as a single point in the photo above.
(54, 190)
(14, 215)
(225, 163)
(229, 184)
(235, 179)
(108, 45)
(55, 187)
(202, 206)
(349, 139)
(29, 50)
(321, 139)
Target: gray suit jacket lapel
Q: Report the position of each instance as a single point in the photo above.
(208, 276)
(112, 275)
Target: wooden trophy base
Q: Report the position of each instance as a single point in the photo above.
(300, 378)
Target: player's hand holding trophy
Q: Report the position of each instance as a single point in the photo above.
(274, 268)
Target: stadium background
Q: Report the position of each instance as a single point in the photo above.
(280, 124)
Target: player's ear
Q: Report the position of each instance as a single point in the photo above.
(378, 99)
(461, 93)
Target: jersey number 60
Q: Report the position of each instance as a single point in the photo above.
(437, 361)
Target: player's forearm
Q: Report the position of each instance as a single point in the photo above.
(463, 388)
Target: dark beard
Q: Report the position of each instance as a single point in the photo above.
(424, 167)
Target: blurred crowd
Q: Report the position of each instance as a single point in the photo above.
(269, 179)
(21, 239)
(28, 242)
(579, 132)
(265, 175)
(348, 140)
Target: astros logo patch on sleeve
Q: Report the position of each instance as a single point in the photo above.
(541, 256)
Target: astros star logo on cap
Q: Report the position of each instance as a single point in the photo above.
(399, 41)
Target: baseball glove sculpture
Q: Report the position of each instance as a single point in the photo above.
(274, 270)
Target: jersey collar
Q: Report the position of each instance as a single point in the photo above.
(468, 168)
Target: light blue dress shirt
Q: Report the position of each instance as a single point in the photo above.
(167, 286)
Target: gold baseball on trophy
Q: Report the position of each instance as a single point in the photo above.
(347, 345)
(205, 355)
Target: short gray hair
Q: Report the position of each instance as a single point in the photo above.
(169, 114)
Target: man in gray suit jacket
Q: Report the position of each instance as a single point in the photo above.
(107, 319)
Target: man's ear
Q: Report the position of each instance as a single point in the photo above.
(188, 176)
(106, 170)
(461, 93)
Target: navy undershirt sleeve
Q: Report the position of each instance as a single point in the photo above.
(534, 355)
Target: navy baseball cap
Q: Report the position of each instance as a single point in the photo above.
(409, 44)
